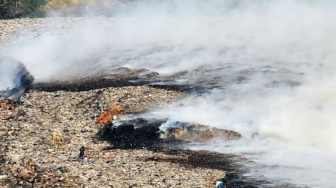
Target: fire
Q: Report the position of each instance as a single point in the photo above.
(108, 114)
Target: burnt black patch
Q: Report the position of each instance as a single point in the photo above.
(141, 133)
(120, 78)
(99, 83)
(84, 84)
(136, 134)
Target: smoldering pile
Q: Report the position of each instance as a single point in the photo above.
(28, 157)
(143, 133)
(14, 78)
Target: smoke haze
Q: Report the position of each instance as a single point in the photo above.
(270, 65)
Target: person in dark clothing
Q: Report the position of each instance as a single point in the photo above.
(81, 153)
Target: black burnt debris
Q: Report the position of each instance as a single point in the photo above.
(120, 77)
(134, 134)
(141, 133)
(14, 78)
(130, 135)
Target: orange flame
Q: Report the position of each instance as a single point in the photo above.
(108, 114)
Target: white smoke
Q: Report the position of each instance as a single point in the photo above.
(9, 69)
(174, 36)
(273, 63)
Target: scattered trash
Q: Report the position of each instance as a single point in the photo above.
(219, 184)
(85, 160)
(109, 114)
(6, 104)
(3, 179)
(57, 140)
(49, 150)
(194, 180)
(61, 170)
(31, 167)
(24, 174)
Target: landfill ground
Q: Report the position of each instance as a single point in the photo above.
(29, 158)
(69, 112)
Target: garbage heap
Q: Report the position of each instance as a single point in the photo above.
(14, 79)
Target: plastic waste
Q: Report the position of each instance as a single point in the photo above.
(61, 170)
(219, 184)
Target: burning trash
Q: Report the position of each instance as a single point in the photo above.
(14, 78)
(115, 111)
(198, 132)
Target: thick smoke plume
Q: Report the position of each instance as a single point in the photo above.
(272, 64)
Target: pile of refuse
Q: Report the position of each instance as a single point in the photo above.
(196, 132)
(14, 78)
(142, 133)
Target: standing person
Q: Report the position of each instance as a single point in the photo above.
(81, 153)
